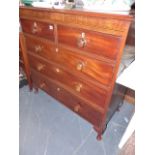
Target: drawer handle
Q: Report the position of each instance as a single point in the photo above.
(57, 70)
(58, 89)
(82, 40)
(56, 50)
(35, 28)
(42, 85)
(40, 67)
(80, 66)
(38, 48)
(50, 27)
(77, 108)
(78, 87)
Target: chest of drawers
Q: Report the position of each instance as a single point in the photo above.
(74, 56)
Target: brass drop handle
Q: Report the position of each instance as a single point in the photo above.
(38, 48)
(82, 40)
(42, 85)
(78, 87)
(40, 67)
(77, 108)
(34, 27)
(34, 30)
(80, 66)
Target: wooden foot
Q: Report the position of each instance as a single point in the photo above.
(99, 137)
(36, 90)
(30, 88)
(99, 133)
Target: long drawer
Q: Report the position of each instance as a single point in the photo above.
(80, 86)
(89, 41)
(67, 98)
(93, 69)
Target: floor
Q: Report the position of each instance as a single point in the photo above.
(49, 128)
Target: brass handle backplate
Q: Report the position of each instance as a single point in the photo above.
(78, 87)
(77, 108)
(82, 40)
(80, 66)
(40, 67)
(35, 28)
(38, 48)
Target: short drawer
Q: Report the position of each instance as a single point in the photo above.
(81, 87)
(41, 47)
(93, 69)
(68, 99)
(89, 41)
(40, 29)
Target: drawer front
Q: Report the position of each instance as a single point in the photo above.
(40, 29)
(41, 47)
(71, 101)
(93, 69)
(90, 68)
(81, 87)
(88, 41)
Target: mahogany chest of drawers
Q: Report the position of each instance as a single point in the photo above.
(74, 56)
